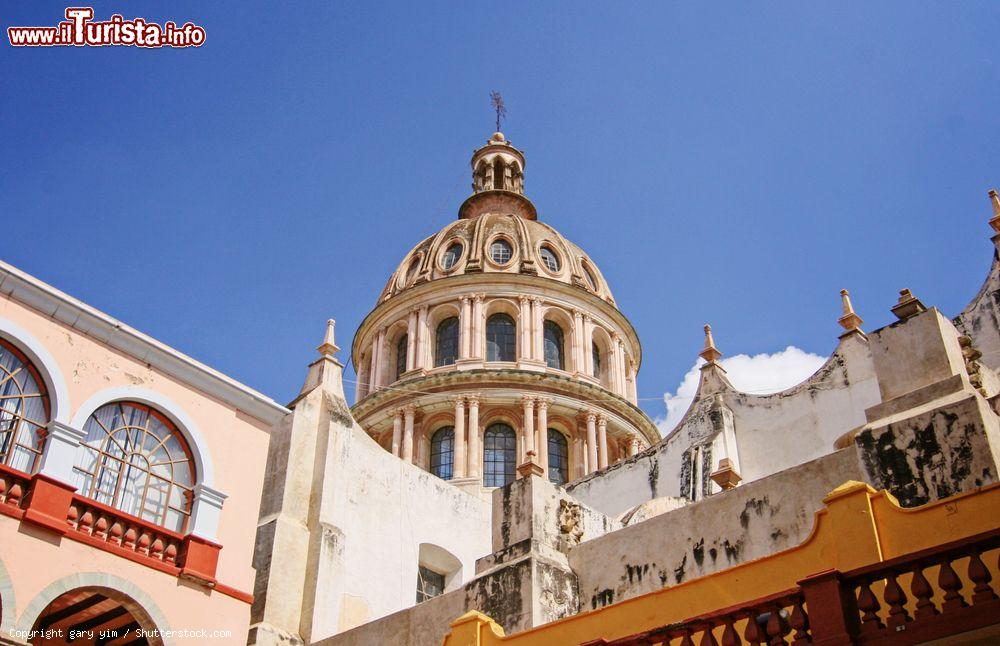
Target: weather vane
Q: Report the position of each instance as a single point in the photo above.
(497, 101)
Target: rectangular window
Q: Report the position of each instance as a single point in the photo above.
(429, 584)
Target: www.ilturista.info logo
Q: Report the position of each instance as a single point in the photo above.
(79, 30)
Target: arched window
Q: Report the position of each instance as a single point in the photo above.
(558, 457)
(451, 255)
(554, 345)
(446, 350)
(24, 410)
(134, 459)
(499, 455)
(443, 452)
(549, 259)
(595, 352)
(401, 347)
(501, 338)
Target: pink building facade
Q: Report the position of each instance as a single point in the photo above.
(130, 481)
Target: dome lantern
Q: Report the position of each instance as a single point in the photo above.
(497, 181)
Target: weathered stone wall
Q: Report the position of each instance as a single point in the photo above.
(980, 320)
(771, 433)
(748, 522)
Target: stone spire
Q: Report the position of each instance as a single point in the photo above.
(995, 220)
(850, 321)
(329, 348)
(710, 353)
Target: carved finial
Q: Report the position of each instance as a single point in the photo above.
(908, 305)
(710, 353)
(850, 321)
(329, 348)
(995, 200)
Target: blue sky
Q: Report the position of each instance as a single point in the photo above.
(734, 164)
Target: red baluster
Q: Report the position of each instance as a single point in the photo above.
(686, 640)
(752, 632)
(869, 606)
(707, 638)
(981, 576)
(952, 585)
(170, 555)
(86, 521)
(800, 622)
(156, 550)
(896, 598)
(101, 526)
(116, 532)
(729, 636)
(143, 544)
(777, 628)
(15, 493)
(924, 593)
(130, 536)
(3, 489)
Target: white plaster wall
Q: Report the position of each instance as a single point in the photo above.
(384, 509)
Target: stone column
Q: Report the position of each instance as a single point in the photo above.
(538, 325)
(542, 406)
(528, 432)
(408, 413)
(411, 341)
(524, 328)
(373, 367)
(602, 441)
(475, 453)
(423, 334)
(633, 446)
(579, 361)
(633, 389)
(591, 442)
(397, 431)
(580, 453)
(382, 355)
(478, 339)
(459, 453)
(588, 344)
(465, 318)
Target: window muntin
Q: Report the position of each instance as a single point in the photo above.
(595, 353)
(553, 338)
(499, 455)
(451, 255)
(501, 252)
(24, 410)
(501, 338)
(429, 584)
(401, 349)
(443, 452)
(558, 457)
(134, 459)
(549, 258)
(446, 344)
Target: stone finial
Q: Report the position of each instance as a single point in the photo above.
(726, 476)
(530, 466)
(908, 305)
(329, 348)
(850, 321)
(710, 353)
(995, 200)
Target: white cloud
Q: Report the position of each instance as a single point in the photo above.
(760, 374)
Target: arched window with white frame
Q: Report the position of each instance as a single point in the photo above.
(24, 410)
(135, 459)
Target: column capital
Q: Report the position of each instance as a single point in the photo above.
(587, 318)
(542, 403)
(591, 417)
(523, 299)
(480, 297)
(537, 300)
(398, 413)
(528, 400)
(465, 298)
(409, 409)
(458, 400)
(473, 399)
(602, 420)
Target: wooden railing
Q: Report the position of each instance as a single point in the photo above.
(866, 605)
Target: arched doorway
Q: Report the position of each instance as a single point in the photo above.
(94, 616)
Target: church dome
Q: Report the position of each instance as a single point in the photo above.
(497, 232)
(498, 242)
